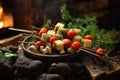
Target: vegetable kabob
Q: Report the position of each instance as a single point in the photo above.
(60, 39)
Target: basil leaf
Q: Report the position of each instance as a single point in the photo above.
(47, 24)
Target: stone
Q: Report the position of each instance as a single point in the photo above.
(26, 67)
(46, 76)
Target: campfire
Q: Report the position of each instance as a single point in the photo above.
(6, 19)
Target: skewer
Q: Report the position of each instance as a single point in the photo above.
(24, 42)
(9, 39)
(87, 51)
(92, 52)
(22, 30)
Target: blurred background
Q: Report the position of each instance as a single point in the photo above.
(34, 12)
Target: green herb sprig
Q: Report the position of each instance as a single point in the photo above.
(88, 25)
(47, 24)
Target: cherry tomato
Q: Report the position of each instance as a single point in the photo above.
(42, 30)
(76, 45)
(38, 43)
(88, 37)
(67, 43)
(71, 34)
(52, 39)
(100, 52)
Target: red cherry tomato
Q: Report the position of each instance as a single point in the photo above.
(52, 39)
(100, 52)
(88, 37)
(42, 30)
(38, 43)
(67, 43)
(71, 34)
(76, 45)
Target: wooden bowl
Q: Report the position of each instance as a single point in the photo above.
(37, 55)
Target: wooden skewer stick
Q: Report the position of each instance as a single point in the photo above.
(84, 50)
(92, 52)
(88, 49)
(22, 30)
(24, 42)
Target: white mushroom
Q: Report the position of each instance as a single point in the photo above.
(49, 49)
(41, 47)
(32, 48)
(45, 50)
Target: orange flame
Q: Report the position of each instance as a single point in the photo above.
(1, 11)
(1, 24)
(6, 19)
